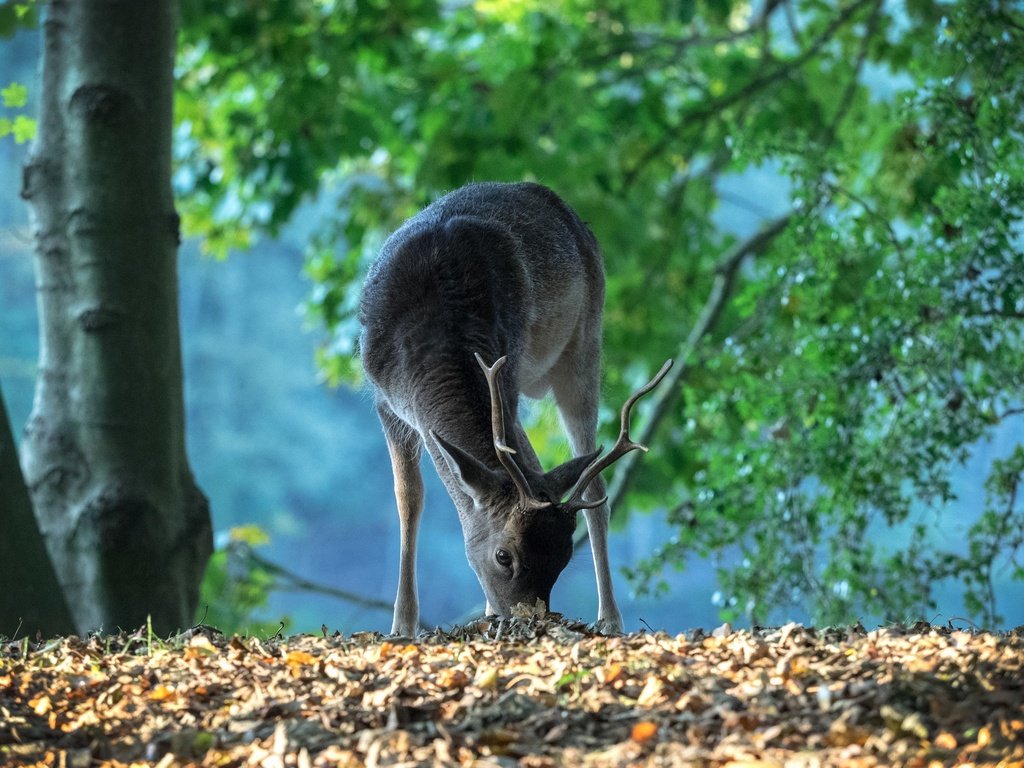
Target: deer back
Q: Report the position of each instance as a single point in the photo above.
(494, 269)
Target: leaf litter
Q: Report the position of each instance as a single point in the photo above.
(535, 690)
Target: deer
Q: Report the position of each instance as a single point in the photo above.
(493, 291)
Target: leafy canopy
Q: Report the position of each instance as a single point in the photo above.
(863, 344)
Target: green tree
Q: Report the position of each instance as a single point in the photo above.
(839, 353)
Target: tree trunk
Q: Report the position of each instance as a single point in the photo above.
(104, 454)
(30, 597)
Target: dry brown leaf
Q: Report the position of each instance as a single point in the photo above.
(643, 731)
(40, 704)
(653, 691)
(984, 736)
(162, 693)
(609, 673)
(299, 658)
(945, 740)
(549, 692)
(452, 678)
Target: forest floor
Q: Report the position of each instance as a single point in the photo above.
(528, 691)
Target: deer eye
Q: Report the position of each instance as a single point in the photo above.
(503, 557)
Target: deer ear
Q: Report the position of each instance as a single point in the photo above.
(475, 478)
(563, 477)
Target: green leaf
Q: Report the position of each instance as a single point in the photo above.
(17, 14)
(14, 95)
(24, 129)
(251, 534)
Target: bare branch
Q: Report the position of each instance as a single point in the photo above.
(297, 582)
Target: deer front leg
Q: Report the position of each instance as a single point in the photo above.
(404, 449)
(577, 406)
(609, 619)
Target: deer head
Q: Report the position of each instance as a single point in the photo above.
(520, 535)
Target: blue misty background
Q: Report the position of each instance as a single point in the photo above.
(272, 446)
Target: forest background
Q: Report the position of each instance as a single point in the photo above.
(816, 207)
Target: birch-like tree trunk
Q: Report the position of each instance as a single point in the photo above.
(104, 453)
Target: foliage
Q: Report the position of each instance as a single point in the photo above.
(863, 351)
(235, 591)
(21, 127)
(14, 96)
(17, 14)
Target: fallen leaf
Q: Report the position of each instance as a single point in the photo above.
(487, 678)
(299, 659)
(945, 740)
(984, 736)
(609, 673)
(644, 731)
(449, 678)
(40, 705)
(535, 610)
(722, 631)
(162, 693)
(652, 691)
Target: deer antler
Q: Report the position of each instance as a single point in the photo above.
(526, 497)
(623, 445)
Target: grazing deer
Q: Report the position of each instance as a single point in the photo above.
(508, 272)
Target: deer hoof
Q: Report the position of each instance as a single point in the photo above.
(609, 625)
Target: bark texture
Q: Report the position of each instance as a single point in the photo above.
(104, 453)
(30, 597)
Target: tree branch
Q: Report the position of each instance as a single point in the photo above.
(721, 291)
(714, 106)
(301, 583)
(644, 41)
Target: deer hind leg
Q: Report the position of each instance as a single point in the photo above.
(576, 386)
(404, 446)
